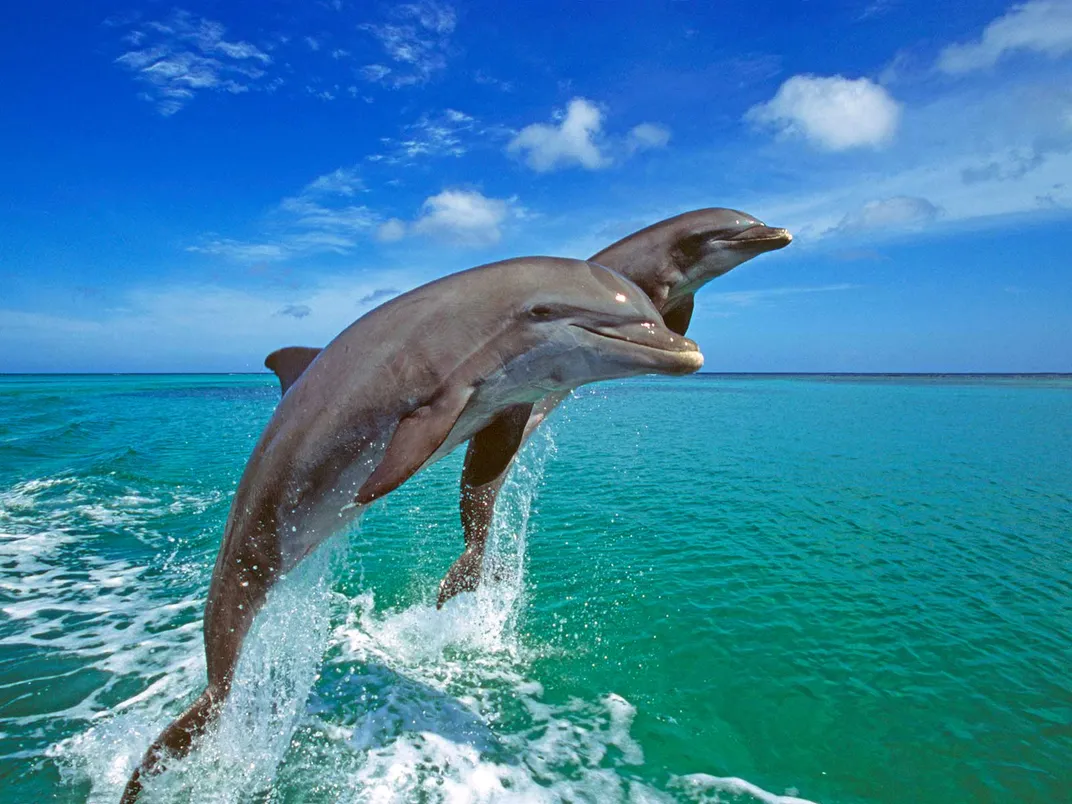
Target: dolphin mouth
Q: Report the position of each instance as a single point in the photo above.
(763, 238)
(673, 353)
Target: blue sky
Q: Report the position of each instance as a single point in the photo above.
(189, 187)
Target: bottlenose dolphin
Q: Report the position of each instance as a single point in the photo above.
(394, 392)
(669, 261)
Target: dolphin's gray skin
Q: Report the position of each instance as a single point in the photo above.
(669, 261)
(397, 390)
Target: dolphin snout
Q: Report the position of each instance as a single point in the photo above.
(768, 238)
(645, 333)
(653, 345)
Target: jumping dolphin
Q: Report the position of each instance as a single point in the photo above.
(394, 392)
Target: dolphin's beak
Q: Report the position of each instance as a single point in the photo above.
(760, 238)
(661, 349)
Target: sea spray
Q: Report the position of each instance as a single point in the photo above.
(279, 664)
(240, 754)
(503, 579)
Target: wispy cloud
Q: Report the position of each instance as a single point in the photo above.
(184, 55)
(378, 295)
(1039, 26)
(647, 136)
(897, 214)
(447, 133)
(488, 80)
(575, 138)
(416, 40)
(750, 298)
(195, 326)
(834, 113)
(296, 310)
(341, 181)
(320, 219)
(981, 151)
(876, 8)
(391, 230)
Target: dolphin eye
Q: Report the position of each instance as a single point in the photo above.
(541, 311)
(691, 246)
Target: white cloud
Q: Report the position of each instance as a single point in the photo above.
(417, 40)
(890, 214)
(186, 54)
(575, 137)
(391, 230)
(573, 141)
(465, 217)
(1039, 26)
(647, 135)
(834, 113)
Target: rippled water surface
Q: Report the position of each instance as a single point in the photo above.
(746, 589)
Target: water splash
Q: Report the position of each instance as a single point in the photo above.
(503, 582)
(240, 755)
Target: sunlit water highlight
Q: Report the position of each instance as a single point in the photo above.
(715, 589)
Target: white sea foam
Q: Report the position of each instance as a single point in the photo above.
(703, 787)
(91, 619)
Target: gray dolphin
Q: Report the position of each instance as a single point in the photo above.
(394, 392)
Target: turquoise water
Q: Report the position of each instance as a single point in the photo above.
(720, 588)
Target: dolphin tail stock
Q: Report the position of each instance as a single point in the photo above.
(174, 742)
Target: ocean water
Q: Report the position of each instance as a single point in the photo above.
(754, 589)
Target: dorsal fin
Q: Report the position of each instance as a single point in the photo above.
(289, 362)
